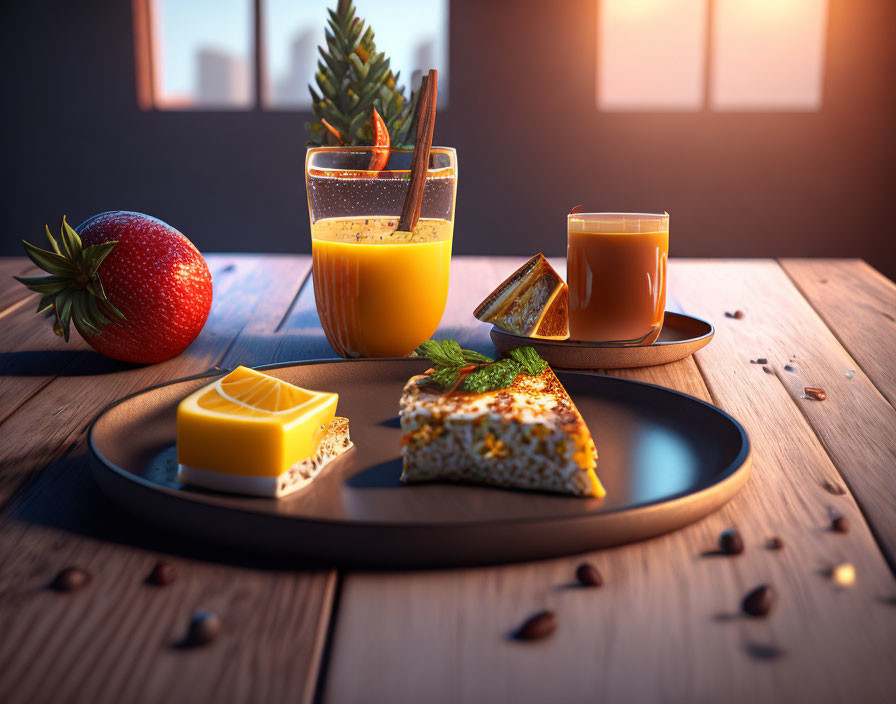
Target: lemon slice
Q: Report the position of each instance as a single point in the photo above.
(260, 392)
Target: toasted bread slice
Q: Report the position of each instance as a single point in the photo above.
(527, 436)
(533, 301)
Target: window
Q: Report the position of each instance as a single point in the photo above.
(651, 54)
(242, 54)
(768, 54)
(724, 54)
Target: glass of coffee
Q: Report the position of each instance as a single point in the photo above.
(616, 271)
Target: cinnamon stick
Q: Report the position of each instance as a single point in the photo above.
(420, 109)
(426, 120)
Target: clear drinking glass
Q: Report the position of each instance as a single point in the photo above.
(379, 292)
(616, 272)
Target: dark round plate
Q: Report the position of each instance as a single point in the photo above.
(681, 336)
(666, 459)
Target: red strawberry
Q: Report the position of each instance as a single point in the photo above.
(136, 289)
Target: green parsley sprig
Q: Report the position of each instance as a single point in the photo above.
(454, 367)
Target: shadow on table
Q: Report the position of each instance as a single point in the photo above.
(59, 362)
(65, 497)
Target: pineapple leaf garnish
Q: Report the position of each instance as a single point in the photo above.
(72, 289)
(454, 367)
(352, 79)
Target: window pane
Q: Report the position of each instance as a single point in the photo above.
(651, 54)
(202, 53)
(413, 34)
(768, 54)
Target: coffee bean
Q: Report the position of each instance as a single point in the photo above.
(204, 628)
(731, 543)
(767, 370)
(762, 360)
(162, 574)
(539, 626)
(775, 543)
(70, 579)
(759, 602)
(588, 575)
(840, 525)
(833, 488)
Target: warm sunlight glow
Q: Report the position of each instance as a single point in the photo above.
(651, 54)
(768, 54)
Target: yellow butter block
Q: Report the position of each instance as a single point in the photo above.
(251, 424)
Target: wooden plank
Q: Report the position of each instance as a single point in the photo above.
(858, 304)
(16, 302)
(117, 640)
(13, 295)
(855, 423)
(665, 625)
(11, 290)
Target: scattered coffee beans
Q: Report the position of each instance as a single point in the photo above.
(759, 602)
(833, 488)
(731, 543)
(736, 314)
(204, 628)
(539, 626)
(840, 525)
(844, 575)
(162, 574)
(767, 370)
(70, 579)
(588, 575)
(775, 543)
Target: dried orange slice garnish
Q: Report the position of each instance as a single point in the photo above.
(333, 131)
(380, 156)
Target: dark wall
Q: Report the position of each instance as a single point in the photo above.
(530, 142)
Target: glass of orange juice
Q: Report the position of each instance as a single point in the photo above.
(616, 272)
(379, 292)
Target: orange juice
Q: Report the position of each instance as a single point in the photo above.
(379, 293)
(616, 272)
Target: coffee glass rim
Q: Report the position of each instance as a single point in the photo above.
(600, 215)
(621, 223)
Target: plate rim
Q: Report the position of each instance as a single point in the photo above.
(741, 465)
(586, 344)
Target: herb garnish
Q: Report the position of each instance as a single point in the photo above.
(454, 367)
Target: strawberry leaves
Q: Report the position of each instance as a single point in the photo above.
(72, 288)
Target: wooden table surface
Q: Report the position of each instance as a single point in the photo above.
(665, 627)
